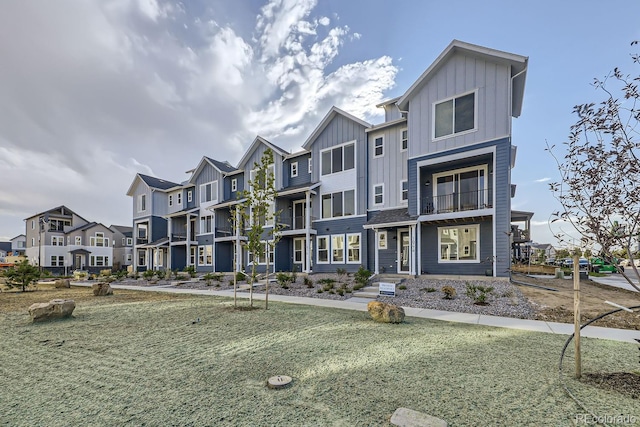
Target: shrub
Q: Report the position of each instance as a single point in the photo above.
(136, 275)
(308, 282)
(161, 274)
(105, 273)
(362, 276)
(428, 289)
(208, 278)
(328, 281)
(478, 293)
(148, 274)
(285, 279)
(240, 276)
(319, 291)
(449, 292)
(190, 270)
(174, 273)
(340, 291)
(328, 287)
(402, 287)
(120, 274)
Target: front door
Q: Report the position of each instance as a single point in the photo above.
(403, 251)
(78, 262)
(300, 254)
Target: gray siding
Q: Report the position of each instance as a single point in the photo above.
(193, 203)
(141, 188)
(463, 73)
(159, 203)
(255, 158)
(390, 169)
(503, 206)
(206, 175)
(430, 251)
(339, 131)
(391, 112)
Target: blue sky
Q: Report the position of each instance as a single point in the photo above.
(92, 92)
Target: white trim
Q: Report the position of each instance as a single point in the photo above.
(399, 252)
(140, 198)
(459, 261)
(170, 198)
(343, 204)
(234, 184)
(381, 146)
(347, 248)
(453, 129)
(328, 249)
(294, 169)
(380, 239)
(435, 155)
(213, 200)
(344, 255)
(342, 145)
(309, 169)
(402, 139)
(189, 196)
(404, 201)
(337, 218)
(179, 198)
(375, 186)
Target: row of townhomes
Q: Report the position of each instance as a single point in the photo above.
(59, 240)
(428, 191)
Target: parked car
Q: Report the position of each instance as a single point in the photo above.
(627, 263)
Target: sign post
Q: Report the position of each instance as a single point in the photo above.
(576, 313)
(387, 289)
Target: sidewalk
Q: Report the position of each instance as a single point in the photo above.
(360, 304)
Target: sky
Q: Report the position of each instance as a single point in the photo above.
(94, 91)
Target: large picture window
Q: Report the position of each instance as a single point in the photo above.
(209, 192)
(205, 255)
(462, 189)
(459, 243)
(206, 224)
(323, 249)
(338, 159)
(338, 204)
(454, 115)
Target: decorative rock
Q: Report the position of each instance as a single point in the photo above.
(404, 417)
(385, 313)
(279, 381)
(62, 283)
(101, 289)
(54, 309)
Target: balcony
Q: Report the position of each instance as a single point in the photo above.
(142, 241)
(293, 222)
(456, 202)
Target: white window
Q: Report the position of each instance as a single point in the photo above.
(128, 258)
(57, 261)
(142, 257)
(98, 240)
(57, 241)
(337, 248)
(337, 159)
(129, 241)
(253, 177)
(33, 242)
(262, 258)
(33, 224)
(170, 199)
(353, 248)
(189, 196)
(294, 169)
(205, 255)
(382, 240)
(206, 224)
(209, 192)
(179, 198)
(323, 249)
(309, 165)
(404, 190)
(142, 202)
(338, 204)
(454, 116)
(378, 147)
(234, 184)
(142, 231)
(461, 189)
(99, 261)
(192, 255)
(459, 243)
(404, 140)
(378, 194)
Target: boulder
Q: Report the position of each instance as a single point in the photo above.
(62, 283)
(54, 309)
(385, 313)
(101, 289)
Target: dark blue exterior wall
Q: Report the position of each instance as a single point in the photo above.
(304, 177)
(224, 256)
(341, 226)
(430, 251)
(158, 228)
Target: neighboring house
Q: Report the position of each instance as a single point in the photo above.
(122, 246)
(19, 245)
(544, 252)
(428, 191)
(59, 239)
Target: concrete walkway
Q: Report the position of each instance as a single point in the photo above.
(360, 304)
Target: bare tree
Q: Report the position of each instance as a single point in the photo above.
(600, 170)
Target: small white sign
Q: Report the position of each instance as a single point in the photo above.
(387, 289)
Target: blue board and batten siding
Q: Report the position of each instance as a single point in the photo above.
(304, 177)
(431, 263)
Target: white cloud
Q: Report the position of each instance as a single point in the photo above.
(545, 179)
(93, 92)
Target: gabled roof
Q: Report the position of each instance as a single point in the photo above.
(60, 210)
(334, 111)
(222, 167)
(388, 102)
(85, 227)
(122, 228)
(254, 145)
(18, 236)
(518, 65)
(391, 218)
(152, 182)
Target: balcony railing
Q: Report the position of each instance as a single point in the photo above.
(520, 236)
(456, 202)
(142, 241)
(293, 222)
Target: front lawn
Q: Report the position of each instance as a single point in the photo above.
(154, 363)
